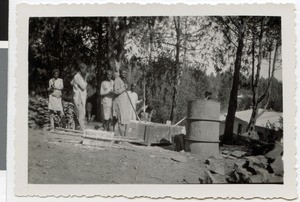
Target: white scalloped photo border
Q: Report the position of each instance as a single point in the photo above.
(264, 191)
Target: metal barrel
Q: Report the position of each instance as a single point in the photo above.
(202, 135)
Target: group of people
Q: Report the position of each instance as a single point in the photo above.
(118, 100)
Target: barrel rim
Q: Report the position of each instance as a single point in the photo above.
(202, 141)
(205, 120)
(189, 101)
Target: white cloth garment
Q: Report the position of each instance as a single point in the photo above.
(55, 102)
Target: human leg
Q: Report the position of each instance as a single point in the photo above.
(108, 124)
(81, 116)
(52, 119)
(121, 129)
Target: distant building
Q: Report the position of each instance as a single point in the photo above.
(269, 122)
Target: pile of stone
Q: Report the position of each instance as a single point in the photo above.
(259, 169)
(68, 115)
(239, 167)
(38, 113)
(39, 116)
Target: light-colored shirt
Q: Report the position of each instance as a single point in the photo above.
(57, 85)
(106, 87)
(79, 88)
(105, 91)
(55, 97)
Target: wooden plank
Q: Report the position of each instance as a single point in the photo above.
(99, 135)
(69, 130)
(121, 139)
(135, 130)
(157, 132)
(66, 133)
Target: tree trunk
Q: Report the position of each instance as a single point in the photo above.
(116, 32)
(99, 70)
(228, 133)
(110, 49)
(176, 81)
(255, 102)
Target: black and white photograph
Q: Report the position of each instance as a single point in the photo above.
(155, 100)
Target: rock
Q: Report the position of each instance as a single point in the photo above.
(263, 173)
(263, 160)
(191, 179)
(217, 178)
(198, 178)
(182, 159)
(38, 112)
(217, 156)
(215, 166)
(277, 166)
(254, 161)
(275, 179)
(226, 152)
(239, 174)
(231, 157)
(276, 152)
(238, 154)
(205, 178)
(257, 179)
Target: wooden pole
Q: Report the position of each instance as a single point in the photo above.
(180, 121)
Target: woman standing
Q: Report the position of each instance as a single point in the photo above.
(55, 104)
(106, 93)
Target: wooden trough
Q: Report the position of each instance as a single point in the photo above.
(142, 133)
(104, 138)
(136, 132)
(152, 133)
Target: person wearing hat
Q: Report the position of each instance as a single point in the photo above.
(55, 104)
(121, 103)
(79, 84)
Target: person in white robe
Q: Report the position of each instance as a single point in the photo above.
(121, 104)
(79, 84)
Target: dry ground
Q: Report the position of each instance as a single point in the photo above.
(62, 159)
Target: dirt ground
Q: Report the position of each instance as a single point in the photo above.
(63, 159)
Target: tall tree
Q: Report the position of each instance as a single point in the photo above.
(272, 43)
(234, 30)
(177, 69)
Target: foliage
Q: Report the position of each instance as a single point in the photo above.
(171, 54)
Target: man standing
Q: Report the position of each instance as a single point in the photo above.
(79, 84)
(122, 104)
(106, 93)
